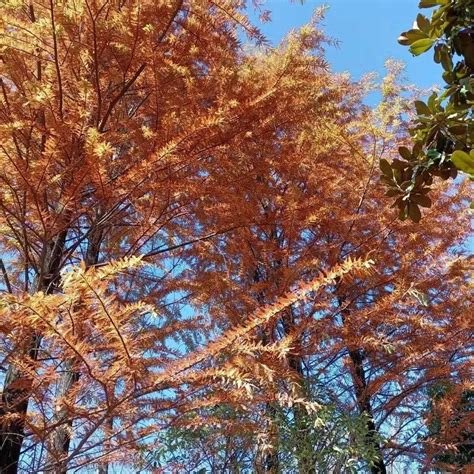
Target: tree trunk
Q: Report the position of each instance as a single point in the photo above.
(17, 386)
(61, 435)
(364, 405)
(365, 408)
(270, 461)
(303, 426)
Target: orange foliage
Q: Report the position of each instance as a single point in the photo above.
(164, 187)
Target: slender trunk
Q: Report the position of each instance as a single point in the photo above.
(17, 386)
(60, 439)
(365, 408)
(364, 404)
(61, 435)
(270, 461)
(302, 423)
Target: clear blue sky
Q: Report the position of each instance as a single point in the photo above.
(367, 31)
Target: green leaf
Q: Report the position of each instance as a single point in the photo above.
(463, 161)
(417, 148)
(422, 108)
(423, 23)
(408, 37)
(421, 199)
(403, 214)
(432, 102)
(386, 168)
(430, 3)
(446, 60)
(458, 129)
(405, 153)
(399, 165)
(403, 40)
(448, 77)
(433, 155)
(414, 212)
(437, 53)
(420, 46)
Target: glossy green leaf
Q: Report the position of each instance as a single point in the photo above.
(405, 153)
(458, 129)
(422, 200)
(432, 102)
(430, 3)
(422, 108)
(414, 212)
(399, 164)
(423, 23)
(386, 168)
(403, 39)
(410, 36)
(403, 214)
(445, 59)
(420, 46)
(463, 161)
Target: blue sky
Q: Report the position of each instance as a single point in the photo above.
(367, 31)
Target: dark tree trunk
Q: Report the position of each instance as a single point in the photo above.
(303, 425)
(17, 387)
(364, 404)
(60, 438)
(365, 408)
(270, 462)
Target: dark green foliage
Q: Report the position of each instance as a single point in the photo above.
(443, 131)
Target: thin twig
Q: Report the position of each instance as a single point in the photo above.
(5, 276)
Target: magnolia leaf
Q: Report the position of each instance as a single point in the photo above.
(458, 129)
(414, 212)
(422, 108)
(421, 199)
(428, 3)
(423, 23)
(399, 165)
(432, 102)
(403, 40)
(463, 161)
(420, 46)
(403, 214)
(408, 37)
(445, 58)
(386, 168)
(405, 153)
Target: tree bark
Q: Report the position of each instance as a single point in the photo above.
(363, 400)
(17, 387)
(365, 408)
(303, 426)
(61, 435)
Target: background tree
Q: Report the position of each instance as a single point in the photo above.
(98, 137)
(110, 114)
(365, 351)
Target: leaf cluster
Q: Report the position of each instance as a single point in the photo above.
(443, 130)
